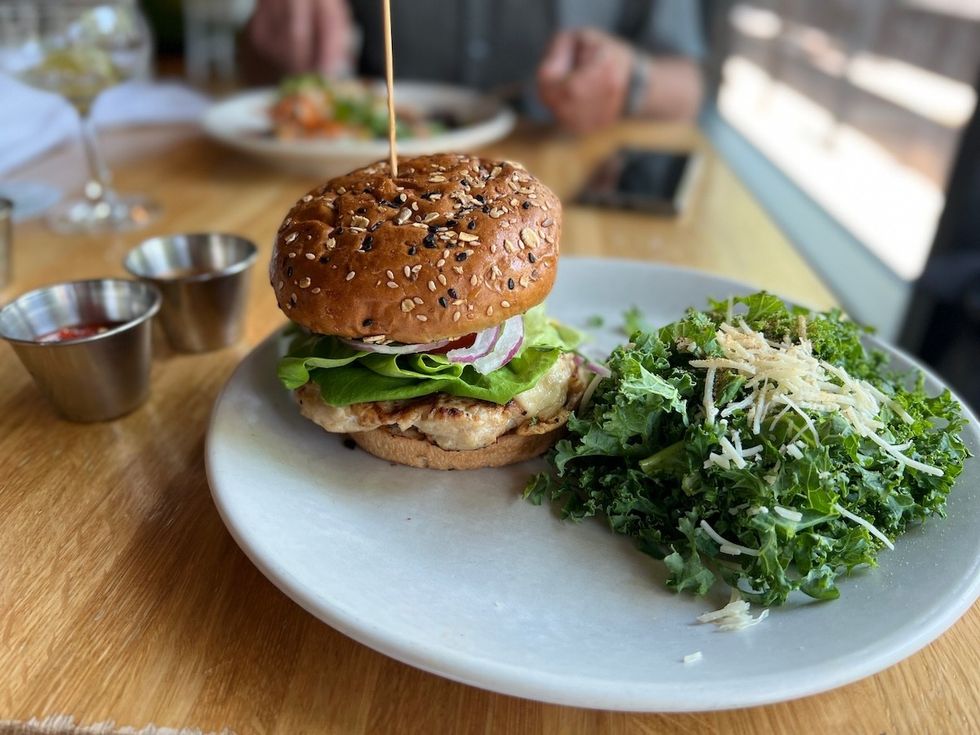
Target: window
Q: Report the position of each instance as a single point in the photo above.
(861, 103)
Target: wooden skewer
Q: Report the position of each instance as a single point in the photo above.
(390, 79)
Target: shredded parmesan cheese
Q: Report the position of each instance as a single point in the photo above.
(781, 377)
(726, 546)
(867, 524)
(789, 515)
(733, 616)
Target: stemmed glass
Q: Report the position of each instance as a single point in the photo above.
(78, 49)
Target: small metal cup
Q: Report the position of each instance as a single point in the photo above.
(94, 378)
(204, 281)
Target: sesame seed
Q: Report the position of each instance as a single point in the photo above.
(530, 238)
(455, 316)
(392, 284)
(531, 258)
(489, 311)
(510, 283)
(505, 303)
(407, 271)
(422, 317)
(304, 283)
(310, 256)
(442, 279)
(457, 270)
(547, 222)
(291, 255)
(279, 285)
(431, 285)
(440, 263)
(437, 178)
(408, 305)
(442, 302)
(315, 290)
(474, 279)
(291, 236)
(391, 276)
(350, 275)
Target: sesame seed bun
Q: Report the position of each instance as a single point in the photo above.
(455, 244)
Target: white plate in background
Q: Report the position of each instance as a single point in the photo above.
(242, 122)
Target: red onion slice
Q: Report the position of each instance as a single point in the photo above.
(393, 349)
(508, 344)
(598, 368)
(481, 345)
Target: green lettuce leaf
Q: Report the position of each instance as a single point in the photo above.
(347, 376)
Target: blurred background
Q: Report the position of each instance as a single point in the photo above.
(853, 123)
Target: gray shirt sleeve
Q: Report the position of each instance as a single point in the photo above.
(672, 27)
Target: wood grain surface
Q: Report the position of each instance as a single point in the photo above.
(122, 596)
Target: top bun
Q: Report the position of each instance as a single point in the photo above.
(453, 245)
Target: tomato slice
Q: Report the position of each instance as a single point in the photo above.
(464, 341)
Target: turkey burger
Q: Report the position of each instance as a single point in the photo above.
(417, 311)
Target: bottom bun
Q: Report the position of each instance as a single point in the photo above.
(419, 452)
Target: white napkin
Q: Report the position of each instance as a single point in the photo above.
(31, 121)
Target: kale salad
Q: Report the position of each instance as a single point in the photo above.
(758, 444)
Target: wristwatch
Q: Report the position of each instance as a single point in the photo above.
(639, 80)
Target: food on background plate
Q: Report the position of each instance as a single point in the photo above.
(309, 106)
(419, 327)
(759, 444)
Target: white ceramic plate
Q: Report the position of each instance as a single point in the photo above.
(454, 573)
(242, 122)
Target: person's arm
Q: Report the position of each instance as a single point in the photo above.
(302, 35)
(664, 87)
(589, 79)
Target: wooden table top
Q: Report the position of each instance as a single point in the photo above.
(123, 597)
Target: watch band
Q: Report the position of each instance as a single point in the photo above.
(639, 79)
